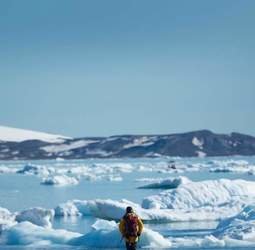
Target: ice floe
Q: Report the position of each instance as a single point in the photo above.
(210, 193)
(38, 216)
(168, 183)
(26, 233)
(104, 234)
(107, 235)
(235, 166)
(35, 170)
(60, 180)
(240, 226)
(7, 219)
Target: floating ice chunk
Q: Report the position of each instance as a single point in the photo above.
(104, 235)
(8, 170)
(235, 166)
(198, 243)
(60, 180)
(26, 233)
(36, 170)
(107, 235)
(59, 159)
(67, 209)
(114, 178)
(201, 194)
(38, 216)
(168, 183)
(104, 225)
(240, 227)
(7, 219)
(110, 209)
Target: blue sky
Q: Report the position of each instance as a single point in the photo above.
(96, 68)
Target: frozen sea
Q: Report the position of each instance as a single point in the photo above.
(22, 186)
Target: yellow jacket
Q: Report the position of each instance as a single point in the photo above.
(122, 228)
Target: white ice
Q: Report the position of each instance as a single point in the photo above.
(104, 234)
(168, 183)
(60, 180)
(38, 216)
(7, 219)
(210, 193)
(107, 235)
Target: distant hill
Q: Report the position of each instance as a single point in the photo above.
(27, 145)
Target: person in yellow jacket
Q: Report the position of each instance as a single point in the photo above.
(131, 227)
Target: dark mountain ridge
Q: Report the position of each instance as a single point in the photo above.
(197, 143)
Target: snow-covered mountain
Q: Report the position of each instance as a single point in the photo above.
(8, 134)
(22, 144)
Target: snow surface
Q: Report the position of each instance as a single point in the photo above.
(140, 142)
(66, 147)
(19, 135)
(198, 143)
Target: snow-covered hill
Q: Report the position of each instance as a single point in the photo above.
(8, 134)
(19, 144)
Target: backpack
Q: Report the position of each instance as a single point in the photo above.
(131, 224)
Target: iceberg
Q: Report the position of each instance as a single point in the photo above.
(35, 170)
(60, 180)
(239, 227)
(107, 235)
(26, 233)
(104, 234)
(114, 210)
(38, 216)
(7, 219)
(66, 209)
(210, 193)
(168, 183)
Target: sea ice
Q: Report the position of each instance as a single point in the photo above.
(38, 216)
(107, 235)
(210, 193)
(60, 180)
(7, 219)
(26, 233)
(168, 183)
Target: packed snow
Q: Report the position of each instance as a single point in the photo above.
(18, 135)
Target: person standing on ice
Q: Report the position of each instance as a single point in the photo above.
(131, 227)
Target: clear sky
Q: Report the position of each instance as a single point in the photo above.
(96, 68)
